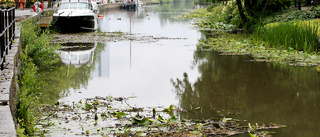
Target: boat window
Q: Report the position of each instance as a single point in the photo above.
(74, 57)
(62, 1)
(64, 6)
(83, 56)
(86, 1)
(73, 5)
(64, 56)
(83, 6)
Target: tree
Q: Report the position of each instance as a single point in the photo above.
(241, 12)
(308, 2)
(252, 7)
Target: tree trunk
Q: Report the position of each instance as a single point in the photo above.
(308, 2)
(243, 17)
(264, 5)
(247, 4)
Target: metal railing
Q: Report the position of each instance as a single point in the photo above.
(7, 28)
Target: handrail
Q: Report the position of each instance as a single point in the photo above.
(7, 34)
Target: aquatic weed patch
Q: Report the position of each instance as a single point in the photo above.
(109, 116)
(107, 37)
(231, 44)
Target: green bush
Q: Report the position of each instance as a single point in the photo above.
(37, 44)
(209, 8)
(27, 95)
(29, 32)
(293, 14)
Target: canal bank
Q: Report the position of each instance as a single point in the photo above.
(9, 75)
(8, 79)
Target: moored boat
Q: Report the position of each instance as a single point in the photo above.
(129, 4)
(76, 14)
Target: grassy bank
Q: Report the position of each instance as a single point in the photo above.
(288, 36)
(37, 55)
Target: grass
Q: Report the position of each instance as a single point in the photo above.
(297, 35)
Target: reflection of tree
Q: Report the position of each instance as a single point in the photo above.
(64, 77)
(258, 91)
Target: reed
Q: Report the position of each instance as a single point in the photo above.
(298, 35)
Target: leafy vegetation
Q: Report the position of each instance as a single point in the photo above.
(254, 13)
(37, 45)
(27, 95)
(36, 54)
(280, 28)
(292, 14)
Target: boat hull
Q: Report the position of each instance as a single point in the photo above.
(128, 6)
(74, 23)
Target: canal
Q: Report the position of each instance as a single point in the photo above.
(161, 72)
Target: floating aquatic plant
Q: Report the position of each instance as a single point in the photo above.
(121, 120)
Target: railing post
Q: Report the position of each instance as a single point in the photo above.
(11, 26)
(6, 33)
(7, 28)
(1, 37)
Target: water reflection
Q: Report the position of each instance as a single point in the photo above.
(155, 20)
(70, 76)
(77, 53)
(257, 92)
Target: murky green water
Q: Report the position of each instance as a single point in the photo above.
(171, 71)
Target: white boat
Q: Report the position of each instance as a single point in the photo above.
(76, 14)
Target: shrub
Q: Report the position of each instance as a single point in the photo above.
(29, 32)
(37, 43)
(27, 95)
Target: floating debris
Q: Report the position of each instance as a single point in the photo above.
(113, 116)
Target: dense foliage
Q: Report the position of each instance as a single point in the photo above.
(36, 54)
(293, 14)
(290, 29)
(37, 45)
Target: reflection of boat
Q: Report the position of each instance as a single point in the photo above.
(130, 4)
(76, 14)
(77, 53)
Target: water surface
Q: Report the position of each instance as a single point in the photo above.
(172, 71)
